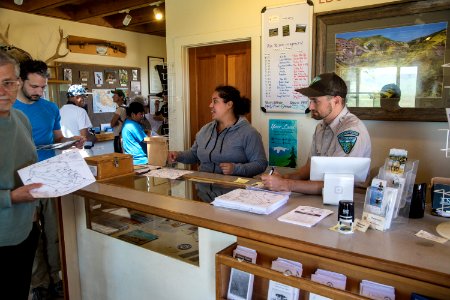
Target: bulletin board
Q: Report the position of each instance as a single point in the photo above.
(100, 80)
(286, 57)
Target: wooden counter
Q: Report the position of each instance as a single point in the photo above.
(397, 253)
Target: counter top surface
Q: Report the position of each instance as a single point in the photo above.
(397, 249)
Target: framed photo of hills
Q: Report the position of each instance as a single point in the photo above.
(395, 50)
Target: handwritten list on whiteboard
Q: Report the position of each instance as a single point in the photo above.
(285, 57)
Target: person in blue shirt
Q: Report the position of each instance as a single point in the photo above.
(133, 134)
(45, 121)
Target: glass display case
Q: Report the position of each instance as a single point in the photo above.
(163, 235)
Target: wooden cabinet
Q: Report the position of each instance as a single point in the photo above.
(404, 286)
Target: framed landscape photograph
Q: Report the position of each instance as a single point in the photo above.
(404, 46)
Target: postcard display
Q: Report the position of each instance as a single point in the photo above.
(388, 199)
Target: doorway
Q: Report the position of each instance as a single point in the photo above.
(210, 66)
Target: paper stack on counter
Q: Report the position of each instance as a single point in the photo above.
(282, 291)
(241, 283)
(377, 291)
(331, 279)
(258, 202)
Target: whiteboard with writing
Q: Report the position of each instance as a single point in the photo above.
(285, 57)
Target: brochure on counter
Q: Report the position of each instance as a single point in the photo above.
(307, 216)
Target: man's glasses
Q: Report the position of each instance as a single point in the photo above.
(10, 85)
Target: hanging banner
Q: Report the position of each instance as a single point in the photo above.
(285, 66)
(283, 143)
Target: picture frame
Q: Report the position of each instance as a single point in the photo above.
(405, 13)
(52, 72)
(154, 82)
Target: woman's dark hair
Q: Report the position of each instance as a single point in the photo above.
(241, 105)
(33, 66)
(134, 108)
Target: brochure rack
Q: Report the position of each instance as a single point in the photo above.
(355, 274)
(404, 183)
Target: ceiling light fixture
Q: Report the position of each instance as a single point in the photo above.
(18, 2)
(158, 14)
(126, 21)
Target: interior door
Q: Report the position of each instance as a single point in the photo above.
(210, 66)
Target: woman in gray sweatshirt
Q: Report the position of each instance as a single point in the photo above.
(229, 144)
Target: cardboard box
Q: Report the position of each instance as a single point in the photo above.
(110, 165)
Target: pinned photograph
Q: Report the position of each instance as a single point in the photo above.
(123, 77)
(300, 28)
(84, 75)
(98, 78)
(110, 76)
(273, 32)
(286, 31)
(134, 74)
(68, 74)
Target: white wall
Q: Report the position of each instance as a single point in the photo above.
(39, 36)
(199, 22)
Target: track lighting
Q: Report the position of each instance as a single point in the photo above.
(18, 2)
(158, 14)
(127, 18)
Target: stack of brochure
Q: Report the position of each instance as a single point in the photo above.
(305, 216)
(380, 204)
(374, 290)
(241, 283)
(281, 291)
(331, 279)
(258, 202)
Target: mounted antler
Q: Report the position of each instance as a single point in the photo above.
(4, 38)
(57, 55)
(17, 53)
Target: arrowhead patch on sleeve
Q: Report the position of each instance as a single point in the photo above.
(347, 140)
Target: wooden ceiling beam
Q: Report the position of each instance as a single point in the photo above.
(37, 7)
(103, 9)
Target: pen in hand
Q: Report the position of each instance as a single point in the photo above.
(272, 170)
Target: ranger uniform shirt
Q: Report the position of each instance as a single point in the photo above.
(345, 136)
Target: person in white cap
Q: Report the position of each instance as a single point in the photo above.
(340, 133)
(74, 118)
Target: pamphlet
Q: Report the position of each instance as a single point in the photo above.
(376, 290)
(397, 160)
(379, 205)
(282, 291)
(331, 279)
(307, 216)
(241, 283)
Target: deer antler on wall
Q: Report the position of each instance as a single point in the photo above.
(4, 38)
(57, 55)
(15, 52)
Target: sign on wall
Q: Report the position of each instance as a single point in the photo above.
(286, 36)
(283, 143)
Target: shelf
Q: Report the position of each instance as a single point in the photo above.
(266, 253)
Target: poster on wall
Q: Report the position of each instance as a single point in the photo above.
(102, 101)
(154, 82)
(285, 65)
(283, 143)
